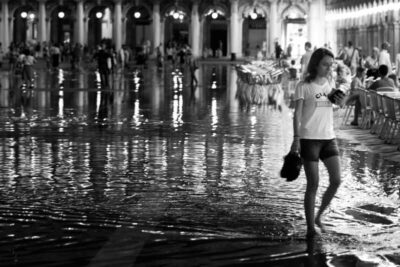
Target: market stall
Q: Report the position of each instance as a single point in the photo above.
(259, 82)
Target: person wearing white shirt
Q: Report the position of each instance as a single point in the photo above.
(314, 135)
(353, 57)
(384, 57)
(305, 58)
(398, 65)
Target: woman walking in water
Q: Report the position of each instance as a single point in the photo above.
(314, 133)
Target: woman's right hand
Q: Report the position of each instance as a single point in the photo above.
(295, 148)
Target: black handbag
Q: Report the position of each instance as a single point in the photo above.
(291, 166)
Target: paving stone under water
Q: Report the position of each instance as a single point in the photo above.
(153, 172)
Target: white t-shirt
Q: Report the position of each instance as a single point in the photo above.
(384, 59)
(304, 62)
(317, 116)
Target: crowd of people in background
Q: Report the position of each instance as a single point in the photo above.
(22, 57)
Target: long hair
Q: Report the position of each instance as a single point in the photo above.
(316, 57)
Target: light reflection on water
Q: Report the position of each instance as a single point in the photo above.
(164, 168)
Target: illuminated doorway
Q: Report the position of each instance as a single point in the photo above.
(296, 36)
(295, 30)
(138, 27)
(25, 25)
(100, 25)
(215, 32)
(177, 26)
(254, 30)
(254, 34)
(61, 26)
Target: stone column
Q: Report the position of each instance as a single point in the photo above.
(240, 37)
(162, 34)
(79, 28)
(118, 24)
(267, 35)
(124, 22)
(384, 32)
(156, 26)
(48, 27)
(363, 38)
(312, 21)
(86, 30)
(396, 37)
(234, 28)
(396, 33)
(369, 38)
(228, 47)
(273, 30)
(378, 36)
(42, 37)
(195, 26)
(202, 37)
(5, 35)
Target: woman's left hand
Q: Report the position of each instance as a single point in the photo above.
(340, 99)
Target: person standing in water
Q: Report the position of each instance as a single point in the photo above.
(314, 135)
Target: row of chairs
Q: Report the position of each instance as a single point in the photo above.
(380, 113)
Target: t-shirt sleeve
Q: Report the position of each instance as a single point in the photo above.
(299, 91)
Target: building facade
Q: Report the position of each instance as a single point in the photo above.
(227, 24)
(366, 23)
(231, 25)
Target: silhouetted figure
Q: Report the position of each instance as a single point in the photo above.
(102, 57)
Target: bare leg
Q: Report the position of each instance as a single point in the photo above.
(311, 171)
(333, 166)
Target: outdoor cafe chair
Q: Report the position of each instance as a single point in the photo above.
(397, 107)
(385, 89)
(348, 110)
(392, 119)
(366, 110)
(377, 112)
(385, 112)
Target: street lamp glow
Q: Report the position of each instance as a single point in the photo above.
(99, 15)
(32, 16)
(175, 15)
(24, 15)
(214, 15)
(253, 15)
(61, 15)
(181, 16)
(137, 14)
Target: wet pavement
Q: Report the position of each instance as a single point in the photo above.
(153, 172)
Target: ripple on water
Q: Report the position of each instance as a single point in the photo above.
(176, 181)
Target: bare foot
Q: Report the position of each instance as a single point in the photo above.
(320, 224)
(312, 233)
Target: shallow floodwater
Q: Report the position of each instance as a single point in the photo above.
(152, 172)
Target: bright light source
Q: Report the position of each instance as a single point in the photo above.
(181, 16)
(24, 15)
(214, 15)
(253, 15)
(292, 15)
(32, 16)
(137, 15)
(175, 15)
(99, 15)
(61, 15)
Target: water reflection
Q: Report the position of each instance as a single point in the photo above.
(182, 168)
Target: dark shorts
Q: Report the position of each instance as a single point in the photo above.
(313, 150)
